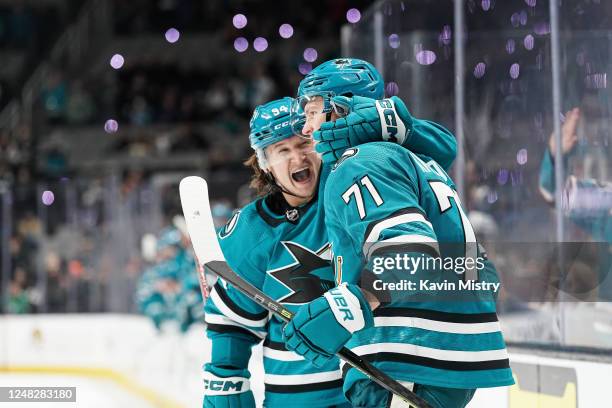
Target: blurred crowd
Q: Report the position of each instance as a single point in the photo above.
(141, 16)
(153, 92)
(84, 251)
(27, 28)
(63, 246)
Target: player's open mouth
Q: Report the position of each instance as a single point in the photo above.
(301, 176)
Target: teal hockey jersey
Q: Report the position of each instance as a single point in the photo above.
(286, 256)
(285, 253)
(383, 202)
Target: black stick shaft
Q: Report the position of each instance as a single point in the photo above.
(222, 270)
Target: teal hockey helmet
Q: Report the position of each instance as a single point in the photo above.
(337, 77)
(344, 76)
(270, 124)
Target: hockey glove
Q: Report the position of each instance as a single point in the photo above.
(227, 388)
(368, 120)
(368, 394)
(322, 327)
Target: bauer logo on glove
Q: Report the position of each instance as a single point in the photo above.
(322, 327)
(342, 303)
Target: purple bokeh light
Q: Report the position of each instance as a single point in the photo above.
(111, 126)
(492, 196)
(117, 61)
(394, 41)
(446, 35)
(486, 5)
(480, 69)
(260, 44)
(48, 197)
(172, 35)
(305, 68)
(510, 46)
(531, 3)
(523, 18)
(528, 42)
(515, 70)
(239, 21)
(286, 30)
(392, 89)
(502, 176)
(521, 157)
(353, 15)
(515, 19)
(310, 54)
(241, 44)
(426, 57)
(542, 28)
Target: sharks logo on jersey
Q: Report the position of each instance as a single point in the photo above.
(300, 276)
(228, 228)
(347, 154)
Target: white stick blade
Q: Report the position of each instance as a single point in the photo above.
(193, 191)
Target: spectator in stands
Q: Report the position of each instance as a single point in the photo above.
(54, 97)
(587, 200)
(17, 299)
(56, 283)
(80, 108)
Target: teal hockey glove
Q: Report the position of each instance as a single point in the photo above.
(322, 327)
(367, 120)
(227, 388)
(366, 393)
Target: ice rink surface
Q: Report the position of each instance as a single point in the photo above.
(90, 392)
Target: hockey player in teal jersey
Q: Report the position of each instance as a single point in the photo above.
(167, 290)
(383, 202)
(279, 244)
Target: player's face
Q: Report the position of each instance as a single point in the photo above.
(295, 165)
(313, 111)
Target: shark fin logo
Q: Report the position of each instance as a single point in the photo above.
(298, 276)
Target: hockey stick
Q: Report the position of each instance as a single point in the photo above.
(196, 209)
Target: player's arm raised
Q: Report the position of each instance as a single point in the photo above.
(368, 120)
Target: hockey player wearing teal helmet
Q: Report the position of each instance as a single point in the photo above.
(283, 160)
(278, 243)
(340, 104)
(346, 77)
